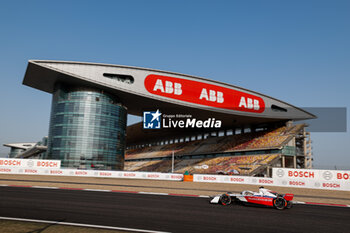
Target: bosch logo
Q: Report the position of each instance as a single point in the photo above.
(30, 163)
(280, 173)
(317, 184)
(327, 175)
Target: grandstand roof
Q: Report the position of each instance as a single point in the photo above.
(23, 145)
(141, 89)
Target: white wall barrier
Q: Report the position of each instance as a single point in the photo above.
(286, 177)
(312, 178)
(233, 179)
(91, 173)
(296, 178)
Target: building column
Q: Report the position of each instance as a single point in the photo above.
(283, 161)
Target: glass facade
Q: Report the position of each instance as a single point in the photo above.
(87, 129)
(14, 152)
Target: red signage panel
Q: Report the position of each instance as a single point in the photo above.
(203, 93)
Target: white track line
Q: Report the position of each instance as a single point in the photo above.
(98, 190)
(44, 187)
(81, 225)
(299, 202)
(151, 193)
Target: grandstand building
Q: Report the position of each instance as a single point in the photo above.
(242, 151)
(28, 150)
(229, 130)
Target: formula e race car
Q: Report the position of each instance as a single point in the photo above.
(263, 197)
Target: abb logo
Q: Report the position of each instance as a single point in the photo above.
(170, 87)
(213, 96)
(301, 174)
(249, 103)
(203, 93)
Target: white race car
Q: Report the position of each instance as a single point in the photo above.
(263, 197)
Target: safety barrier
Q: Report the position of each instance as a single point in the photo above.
(285, 177)
(92, 173)
(233, 179)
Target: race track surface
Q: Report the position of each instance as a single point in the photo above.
(166, 213)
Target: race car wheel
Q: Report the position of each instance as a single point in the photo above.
(289, 204)
(279, 203)
(225, 199)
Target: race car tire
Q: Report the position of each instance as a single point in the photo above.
(289, 205)
(279, 203)
(225, 199)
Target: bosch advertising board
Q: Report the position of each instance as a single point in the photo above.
(312, 178)
(203, 93)
(29, 163)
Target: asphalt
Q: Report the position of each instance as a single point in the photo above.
(166, 213)
(162, 187)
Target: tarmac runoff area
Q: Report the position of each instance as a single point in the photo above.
(168, 187)
(17, 226)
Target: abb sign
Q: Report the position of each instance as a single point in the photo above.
(203, 93)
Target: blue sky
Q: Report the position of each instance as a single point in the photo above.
(296, 51)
